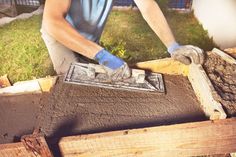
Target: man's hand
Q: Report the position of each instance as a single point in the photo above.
(186, 54)
(116, 68)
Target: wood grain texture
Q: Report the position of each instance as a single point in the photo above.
(224, 56)
(14, 150)
(4, 81)
(19, 150)
(231, 51)
(165, 66)
(189, 139)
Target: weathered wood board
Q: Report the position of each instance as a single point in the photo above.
(190, 139)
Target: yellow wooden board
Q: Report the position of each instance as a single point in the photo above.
(4, 81)
(47, 83)
(19, 150)
(231, 51)
(165, 66)
(14, 150)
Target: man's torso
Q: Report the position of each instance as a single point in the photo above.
(89, 16)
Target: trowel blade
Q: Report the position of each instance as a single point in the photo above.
(82, 74)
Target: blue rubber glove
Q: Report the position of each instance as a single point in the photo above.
(107, 59)
(186, 54)
(116, 68)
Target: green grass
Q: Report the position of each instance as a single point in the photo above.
(24, 55)
(128, 31)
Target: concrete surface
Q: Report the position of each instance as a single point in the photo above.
(73, 109)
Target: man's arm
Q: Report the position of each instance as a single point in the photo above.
(157, 21)
(56, 25)
(153, 15)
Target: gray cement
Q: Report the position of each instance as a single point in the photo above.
(73, 109)
(223, 77)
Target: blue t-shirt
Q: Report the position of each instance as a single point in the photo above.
(88, 17)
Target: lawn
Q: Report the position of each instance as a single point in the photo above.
(24, 55)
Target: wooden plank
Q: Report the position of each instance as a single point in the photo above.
(231, 51)
(204, 91)
(165, 66)
(224, 56)
(37, 144)
(19, 150)
(14, 150)
(31, 86)
(47, 83)
(233, 154)
(4, 81)
(189, 139)
(22, 88)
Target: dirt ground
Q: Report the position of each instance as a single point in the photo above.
(223, 77)
(73, 109)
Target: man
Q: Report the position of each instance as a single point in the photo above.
(75, 26)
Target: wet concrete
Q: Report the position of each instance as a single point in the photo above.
(223, 77)
(73, 109)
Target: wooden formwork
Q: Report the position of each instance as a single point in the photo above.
(190, 139)
(32, 86)
(31, 146)
(4, 82)
(14, 150)
(231, 51)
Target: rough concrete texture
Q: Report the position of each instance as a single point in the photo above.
(73, 109)
(223, 77)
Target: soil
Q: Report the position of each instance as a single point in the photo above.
(72, 109)
(223, 77)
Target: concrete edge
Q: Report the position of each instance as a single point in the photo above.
(125, 8)
(7, 20)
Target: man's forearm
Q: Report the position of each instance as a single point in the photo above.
(156, 20)
(63, 32)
